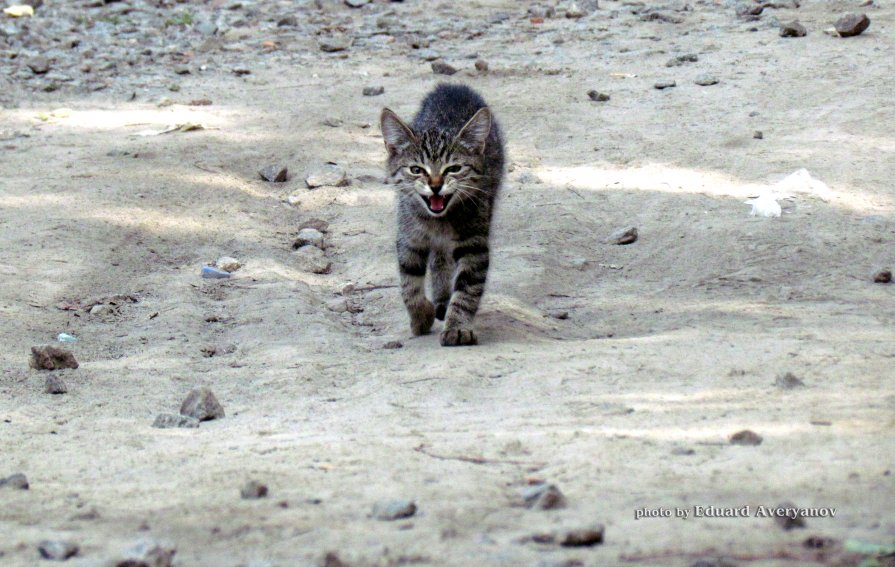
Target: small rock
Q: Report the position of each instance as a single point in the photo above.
(39, 65)
(16, 481)
(597, 96)
(681, 59)
(848, 25)
(442, 68)
(561, 315)
(583, 537)
(539, 11)
(389, 510)
(544, 497)
(210, 272)
(793, 29)
(882, 276)
(745, 437)
(148, 554)
(316, 224)
(101, 309)
(202, 405)
(182, 70)
(625, 235)
(337, 304)
(333, 122)
(575, 11)
(787, 522)
(308, 236)
(664, 85)
(171, 420)
(241, 71)
(683, 451)
(373, 91)
(356, 3)
(312, 259)
(481, 66)
(228, 264)
(274, 173)
(328, 175)
(332, 560)
(52, 358)
(749, 10)
(55, 385)
(55, 550)
(333, 43)
(706, 80)
(788, 381)
(758, 135)
(287, 21)
(818, 542)
(392, 345)
(253, 490)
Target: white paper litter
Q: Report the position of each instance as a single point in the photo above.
(765, 205)
(802, 182)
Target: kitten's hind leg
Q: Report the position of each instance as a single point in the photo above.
(441, 270)
(472, 258)
(412, 267)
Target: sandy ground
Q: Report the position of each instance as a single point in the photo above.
(671, 344)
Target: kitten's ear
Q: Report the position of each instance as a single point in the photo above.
(474, 134)
(395, 133)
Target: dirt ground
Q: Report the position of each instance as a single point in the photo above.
(671, 344)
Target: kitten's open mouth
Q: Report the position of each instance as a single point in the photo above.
(437, 203)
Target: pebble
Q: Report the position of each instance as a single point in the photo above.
(625, 235)
(311, 259)
(330, 175)
(182, 70)
(373, 91)
(55, 385)
(274, 173)
(749, 10)
(333, 43)
(332, 560)
(442, 68)
(597, 96)
(427, 54)
(202, 405)
(683, 451)
(562, 315)
(308, 236)
(574, 11)
(102, 309)
(39, 65)
(758, 135)
(481, 66)
(793, 29)
(665, 85)
(745, 437)
(16, 481)
(52, 358)
(539, 11)
(210, 272)
(583, 537)
(787, 523)
(228, 264)
(148, 554)
(56, 550)
(392, 345)
(287, 21)
(171, 420)
(356, 3)
(882, 276)
(706, 80)
(253, 490)
(788, 381)
(333, 122)
(389, 510)
(681, 59)
(316, 224)
(544, 497)
(851, 25)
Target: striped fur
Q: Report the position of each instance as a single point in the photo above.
(447, 166)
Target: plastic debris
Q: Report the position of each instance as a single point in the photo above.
(765, 205)
(66, 338)
(214, 273)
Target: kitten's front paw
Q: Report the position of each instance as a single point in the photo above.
(422, 318)
(458, 337)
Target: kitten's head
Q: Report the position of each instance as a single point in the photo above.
(434, 168)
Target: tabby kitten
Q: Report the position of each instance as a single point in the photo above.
(447, 166)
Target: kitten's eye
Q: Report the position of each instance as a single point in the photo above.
(453, 169)
(416, 170)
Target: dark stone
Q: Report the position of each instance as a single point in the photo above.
(148, 554)
(758, 135)
(749, 10)
(681, 59)
(287, 21)
(201, 404)
(481, 66)
(793, 29)
(851, 25)
(544, 497)
(373, 91)
(664, 85)
(55, 550)
(625, 235)
(583, 537)
(389, 510)
(442, 68)
(171, 420)
(745, 437)
(597, 96)
(52, 358)
(332, 560)
(391, 345)
(882, 276)
(55, 385)
(39, 65)
(274, 173)
(16, 481)
(706, 80)
(788, 381)
(253, 490)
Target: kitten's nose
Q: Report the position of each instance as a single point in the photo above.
(435, 183)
